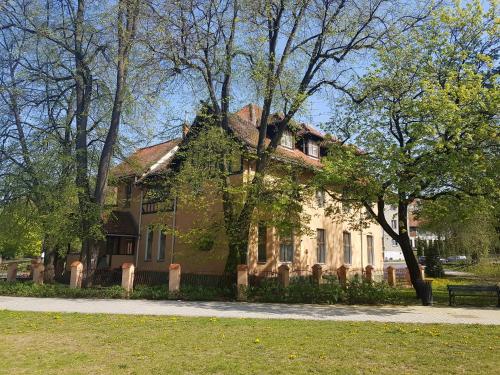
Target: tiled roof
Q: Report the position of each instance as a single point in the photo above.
(244, 124)
(120, 223)
(246, 129)
(143, 159)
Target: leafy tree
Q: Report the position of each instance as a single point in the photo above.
(425, 126)
(468, 225)
(288, 50)
(200, 180)
(433, 266)
(27, 241)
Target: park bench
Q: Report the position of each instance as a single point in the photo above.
(473, 290)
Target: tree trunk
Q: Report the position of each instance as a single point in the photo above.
(49, 263)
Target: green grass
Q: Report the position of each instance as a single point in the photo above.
(486, 270)
(42, 343)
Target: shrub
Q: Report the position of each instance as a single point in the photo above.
(300, 290)
(29, 289)
(150, 292)
(358, 291)
(433, 266)
(188, 293)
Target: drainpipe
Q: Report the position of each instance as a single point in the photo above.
(139, 231)
(361, 235)
(173, 231)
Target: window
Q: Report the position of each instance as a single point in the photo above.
(128, 193)
(320, 198)
(262, 246)
(320, 238)
(149, 244)
(347, 247)
(286, 248)
(394, 224)
(129, 247)
(369, 249)
(313, 149)
(120, 246)
(287, 139)
(162, 238)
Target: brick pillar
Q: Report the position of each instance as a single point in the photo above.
(38, 268)
(317, 271)
(342, 273)
(284, 275)
(75, 280)
(128, 276)
(422, 271)
(369, 273)
(12, 272)
(242, 282)
(391, 276)
(174, 278)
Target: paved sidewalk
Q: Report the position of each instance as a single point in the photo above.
(399, 314)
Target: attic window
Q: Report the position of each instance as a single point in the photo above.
(287, 139)
(313, 149)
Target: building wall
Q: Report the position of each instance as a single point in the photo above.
(193, 260)
(392, 250)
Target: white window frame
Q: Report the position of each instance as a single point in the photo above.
(370, 249)
(161, 234)
(345, 247)
(149, 243)
(394, 224)
(318, 245)
(284, 258)
(313, 149)
(287, 139)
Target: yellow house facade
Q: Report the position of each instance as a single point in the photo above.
(135, 229)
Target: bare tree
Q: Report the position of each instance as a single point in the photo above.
(292, 49)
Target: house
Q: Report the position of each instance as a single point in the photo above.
(133, 235)
(392, 250)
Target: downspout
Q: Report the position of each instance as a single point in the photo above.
(361, 234)
(173, 230)
(139, 231)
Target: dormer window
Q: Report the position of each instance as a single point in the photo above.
(313, 149)
(287, 139)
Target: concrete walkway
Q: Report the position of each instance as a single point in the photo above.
(399, 314)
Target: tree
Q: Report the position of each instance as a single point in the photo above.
(79, 51)
(426, 127)
(291, 50)
(198, 182)
(468, 225)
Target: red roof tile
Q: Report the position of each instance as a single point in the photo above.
(141, 160)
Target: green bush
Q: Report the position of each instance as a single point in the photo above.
(358, 291)
(300, 290)
(29, 289)
(188, 293)
(150, 292)
(433, 266)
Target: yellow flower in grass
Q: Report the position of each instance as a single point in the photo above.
(257, 341)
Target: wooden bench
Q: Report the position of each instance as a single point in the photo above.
(473, 290)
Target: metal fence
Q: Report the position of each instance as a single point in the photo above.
(206, 280)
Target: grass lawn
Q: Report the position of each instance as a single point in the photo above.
(441, 296)
(107, 344)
